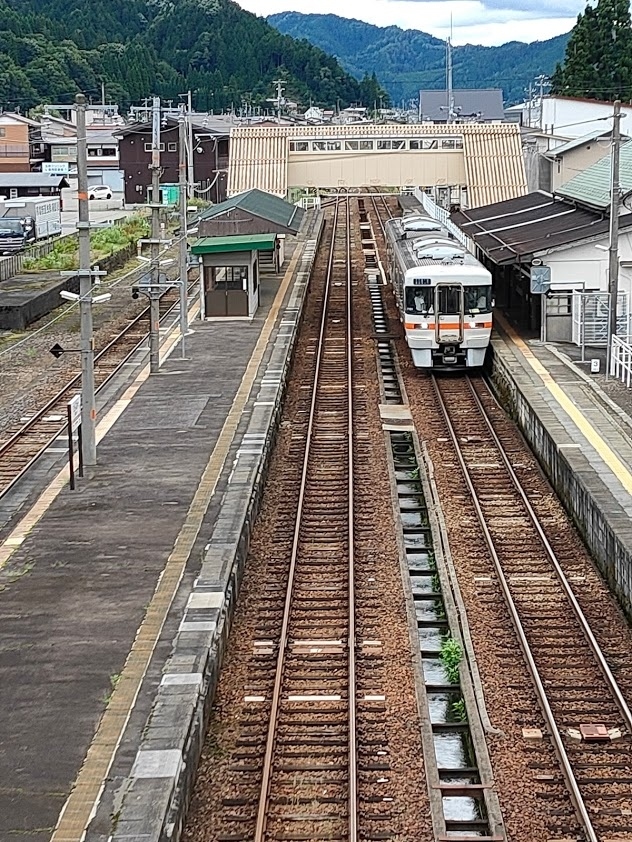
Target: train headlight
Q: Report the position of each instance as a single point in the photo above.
(423, 325)
(472, 324)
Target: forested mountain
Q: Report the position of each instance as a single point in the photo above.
(407, 60)
(598, 60)
(50, 49)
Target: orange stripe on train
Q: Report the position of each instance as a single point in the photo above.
(447, 326)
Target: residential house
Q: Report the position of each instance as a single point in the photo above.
(15, 153)
(210, 156)
(16, 185)
(479, 106)
(569, 117)
(58, 141)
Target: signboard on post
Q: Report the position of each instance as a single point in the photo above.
(540, 280)
(74, 425)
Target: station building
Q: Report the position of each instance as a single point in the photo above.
(462, 165)
(567, 231)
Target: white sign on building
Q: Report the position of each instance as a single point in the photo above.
(56, 167)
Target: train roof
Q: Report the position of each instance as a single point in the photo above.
(404, 241)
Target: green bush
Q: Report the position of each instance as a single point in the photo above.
(103, 242)
(451, 654)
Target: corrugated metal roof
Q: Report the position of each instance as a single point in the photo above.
(493, 154)
(31, 179)
(592, 186)
(516, 230)
(488, 103)
(245, 242)
(263, 205)
(576, 142)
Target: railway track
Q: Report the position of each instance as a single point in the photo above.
(22, 447)
(311, 739)
(586, 713)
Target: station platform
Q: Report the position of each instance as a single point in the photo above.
(98, 586)
(582, 436)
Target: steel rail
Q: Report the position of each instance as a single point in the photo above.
(260, 828)
(579, 614)
(353, 752)
(19, 434)
(558, 745)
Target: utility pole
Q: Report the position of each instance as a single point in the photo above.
(190, 173)
(279, 97)
(420, 112)
(613, 250)
(182, 171)
(530, 94)
(154, 298)
(448, 67)
(88, 402)
(542, 80)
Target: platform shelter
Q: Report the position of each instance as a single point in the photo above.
(229, 272)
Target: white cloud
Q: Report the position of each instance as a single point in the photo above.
(486, 22)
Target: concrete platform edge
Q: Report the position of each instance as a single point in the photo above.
(612, 556)
(155, 797)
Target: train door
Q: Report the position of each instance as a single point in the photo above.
(449, 313)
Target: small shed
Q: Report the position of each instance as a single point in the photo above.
(251, 212)
(229, 271)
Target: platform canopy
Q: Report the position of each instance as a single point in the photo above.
(245, 242)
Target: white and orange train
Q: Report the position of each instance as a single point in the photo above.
(444, 294)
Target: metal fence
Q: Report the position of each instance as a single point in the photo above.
(591, 314)
(621, 360)
(12, 265)
(443, 216)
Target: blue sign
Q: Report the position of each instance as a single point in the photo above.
(540, 279)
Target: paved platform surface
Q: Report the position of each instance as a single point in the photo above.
(585, 437)
(75, 589)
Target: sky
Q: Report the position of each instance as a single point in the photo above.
(487, 22)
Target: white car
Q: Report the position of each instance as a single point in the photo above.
(101, 191)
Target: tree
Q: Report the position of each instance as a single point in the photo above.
(598, 60)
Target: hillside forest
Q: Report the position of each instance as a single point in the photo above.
(51, 49)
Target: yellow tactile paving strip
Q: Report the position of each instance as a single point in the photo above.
(618, 468)
(83, 799)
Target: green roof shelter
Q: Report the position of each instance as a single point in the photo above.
(251, 212)
(230, 274)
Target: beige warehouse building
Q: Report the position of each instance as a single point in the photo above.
(471, 164)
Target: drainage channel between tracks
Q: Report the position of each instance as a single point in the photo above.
(462, 798)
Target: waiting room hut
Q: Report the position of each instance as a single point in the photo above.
(230, 273)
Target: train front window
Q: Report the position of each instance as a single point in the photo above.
(449, 300)
(478, 299)
(419, 300)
